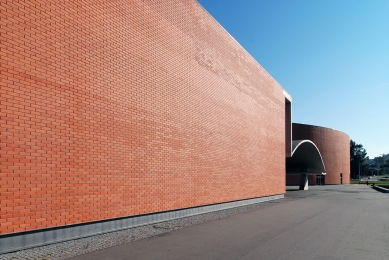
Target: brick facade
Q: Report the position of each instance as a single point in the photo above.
(118, 108)
(334, 147)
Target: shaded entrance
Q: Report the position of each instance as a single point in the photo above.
(305, 160)
(320, 180)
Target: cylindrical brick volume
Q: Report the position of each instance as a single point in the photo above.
(334, 147)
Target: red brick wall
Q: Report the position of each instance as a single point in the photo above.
(334, 147)
(117, 108)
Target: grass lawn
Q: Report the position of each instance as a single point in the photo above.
(379, 183)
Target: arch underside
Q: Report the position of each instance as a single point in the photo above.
(306, 159)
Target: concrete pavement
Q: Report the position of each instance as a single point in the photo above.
(325, 222)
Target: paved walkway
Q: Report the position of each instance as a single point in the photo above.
(325, 222)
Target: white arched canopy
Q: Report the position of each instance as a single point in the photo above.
(305, 160)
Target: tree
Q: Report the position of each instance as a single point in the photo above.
(386, 166)
(386, 163)
(358, 160)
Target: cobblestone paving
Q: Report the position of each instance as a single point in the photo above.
(81, 246)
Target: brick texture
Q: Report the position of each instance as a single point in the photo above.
(117, 108)
(334, 147)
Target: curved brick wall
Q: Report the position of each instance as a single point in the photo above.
(117, 108)
(334, 147)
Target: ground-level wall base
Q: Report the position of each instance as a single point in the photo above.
(24, 240)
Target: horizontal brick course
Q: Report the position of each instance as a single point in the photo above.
(117, 108)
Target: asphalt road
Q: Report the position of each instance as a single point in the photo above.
(372, 178)
(325, 222)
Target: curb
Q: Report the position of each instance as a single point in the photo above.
(381, 189)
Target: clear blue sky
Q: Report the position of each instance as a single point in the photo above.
(332, 56)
